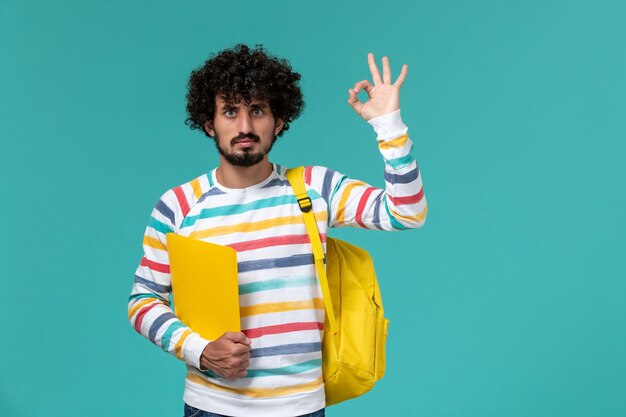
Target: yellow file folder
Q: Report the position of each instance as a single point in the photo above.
(204, 285)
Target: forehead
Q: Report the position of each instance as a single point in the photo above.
(221, 103)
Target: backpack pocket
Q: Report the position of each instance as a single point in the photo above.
(382, 327)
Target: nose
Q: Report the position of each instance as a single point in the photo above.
(244, 123)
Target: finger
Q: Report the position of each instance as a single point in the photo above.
(354, 102)
(221, 371)
(237, 337)
(352, 98)
(233, 363)
(363, 85)
(236, 373)
(374, 69)
(386, 71)
(240, 350)
(402, 76)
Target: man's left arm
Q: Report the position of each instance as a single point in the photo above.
(401, 204)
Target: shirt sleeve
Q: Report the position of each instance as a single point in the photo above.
(400, 205)
(149, 308)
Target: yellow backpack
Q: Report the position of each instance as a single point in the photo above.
(355, 331)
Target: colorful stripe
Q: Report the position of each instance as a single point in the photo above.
(282, 328)
(233, 209)
(154, 286)
(401, 162)
(276, 182)
(290, 349)
(394, 223)
(419, 217)
(307, 175)
(328, 180)
(297, 368)
(141, 314)
(273, 241)
(195, 186)
(395, 143)
(341, 210)
(154, 243)
(165, 211)
(167, 336)
(271, 263)
(155, 266)
(407, 178)
(377, 203)
(147, 295)
(254, 226)
(212, 192)
(182, 200)
(259, 392)
(276, 284)
(338, 185)
(178, 348)
(159, 226)
(265, 308)
(139, 304)
(157, 323)
(411, 199)
(361, 207)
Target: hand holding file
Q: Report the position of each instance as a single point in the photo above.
(228, 356)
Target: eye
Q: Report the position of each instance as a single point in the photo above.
(258, 112)
(230, 113)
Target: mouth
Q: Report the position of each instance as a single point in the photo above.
(245, 142)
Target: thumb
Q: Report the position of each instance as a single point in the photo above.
(237, 337)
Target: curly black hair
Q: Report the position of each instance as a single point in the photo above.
(242, 73)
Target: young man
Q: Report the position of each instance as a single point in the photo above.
(244, 98)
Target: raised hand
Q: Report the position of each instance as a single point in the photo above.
(384, 97)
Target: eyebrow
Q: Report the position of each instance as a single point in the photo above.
(227, 107)
(233, 106)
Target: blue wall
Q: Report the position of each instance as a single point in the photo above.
(509, 302)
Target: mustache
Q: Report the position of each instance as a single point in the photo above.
(244, 136)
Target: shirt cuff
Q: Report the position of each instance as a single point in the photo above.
(193, 348)
(388, 126)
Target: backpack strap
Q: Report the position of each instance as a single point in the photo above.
(294, 176)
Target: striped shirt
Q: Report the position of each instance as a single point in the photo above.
(281, 305)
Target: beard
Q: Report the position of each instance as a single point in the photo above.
(245, 158)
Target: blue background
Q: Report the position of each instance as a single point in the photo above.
(509, 302)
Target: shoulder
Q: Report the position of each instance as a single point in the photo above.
(180, 199)
(315, 175)
(322, 180)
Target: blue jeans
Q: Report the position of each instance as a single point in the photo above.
(194, 412)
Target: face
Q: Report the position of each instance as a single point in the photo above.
(244, 133)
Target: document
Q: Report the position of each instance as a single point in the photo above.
(204, 285)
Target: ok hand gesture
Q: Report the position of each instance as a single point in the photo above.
(384, 97)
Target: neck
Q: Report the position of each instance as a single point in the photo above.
(232, 176)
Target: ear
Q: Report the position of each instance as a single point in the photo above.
(208, 127)
(279, 126)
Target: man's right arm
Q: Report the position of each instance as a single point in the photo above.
(149, 308)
